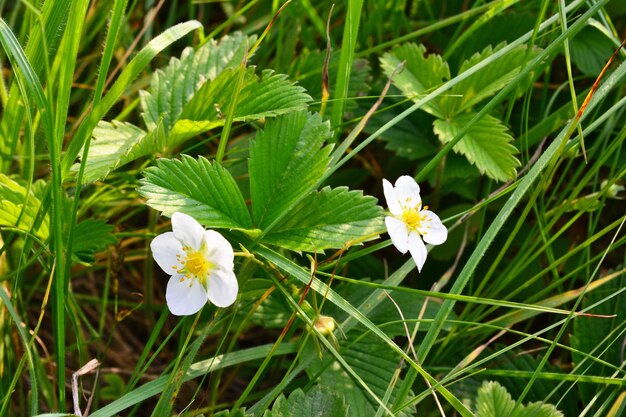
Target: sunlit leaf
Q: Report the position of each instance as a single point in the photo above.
(202, 189)
(329, 218)
(487, 144)
(494, 401)
(19, 207)
(420, 74)
(286, 159)
(91, 236)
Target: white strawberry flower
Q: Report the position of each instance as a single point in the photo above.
(410, 222)
(200, 263)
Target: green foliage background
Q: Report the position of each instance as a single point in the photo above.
(116, 114)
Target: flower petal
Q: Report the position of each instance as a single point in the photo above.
(185, 296)
(223, 287)
(398, 233)
(218, 249)
(167, 250)
(390, 196)
(407, 192)
(418, 250)
(433, 231)
(187, 230)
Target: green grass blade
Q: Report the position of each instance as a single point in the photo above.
(348, 46)
(34, 404)
(31, 84)
(198, 369)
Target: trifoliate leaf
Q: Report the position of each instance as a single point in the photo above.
(420, 73)
(286, 159)
(202, 189)
(486, 145)
(19, 208)
(317, 402)
(327, 219)
(189, 97)
(91, 236)
(494, 401)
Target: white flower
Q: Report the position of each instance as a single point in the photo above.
(200, 263)
(409, 222)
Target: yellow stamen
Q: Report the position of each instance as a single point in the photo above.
(412, 218)
(195, 265)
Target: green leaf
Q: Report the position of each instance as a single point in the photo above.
(375, 363)
(286, 159)
(409, 138)
(494, 401)
(327, 219)
(188, 98)
(197, 187)
(91, 236)
(317, 402)
(590, 50)
(19, 207)
(266, 96)
(486, 145)
(486, 82)
(600, 337)
(111, 147)
(411, 306)
(420, 73)
(173, 87)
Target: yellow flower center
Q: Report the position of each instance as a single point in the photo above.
(413, 218)
(195, 265)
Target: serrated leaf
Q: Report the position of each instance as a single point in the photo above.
(420, 73)
(240, 412)
(375, 363)
(19, 207)
(488, 81)
(202, 189)
(188, 98)
(110, 145)
(487, 144)
(266, 96)
(91, 236)
(286, 159)
(493, 400)
(328, 219)
(317, 402)
(172, 87)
